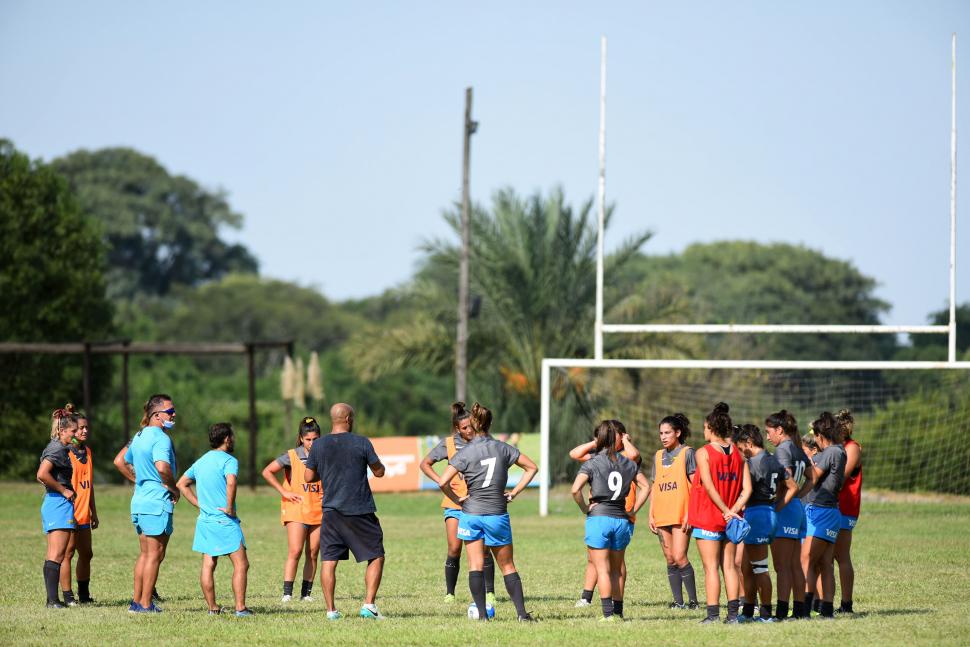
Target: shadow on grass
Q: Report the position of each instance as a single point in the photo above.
(885, 612)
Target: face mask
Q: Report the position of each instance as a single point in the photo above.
(168, 424)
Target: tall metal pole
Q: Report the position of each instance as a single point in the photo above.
(601, 195)
(952, 355)
(461, 345)
(86, 380)
(125, 420)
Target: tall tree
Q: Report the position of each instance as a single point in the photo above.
(162, 230)
(51, 280)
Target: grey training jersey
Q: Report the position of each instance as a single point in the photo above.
(766, 472)
(284, 458)
(825, 492)
(57, 455)
(793, 459)
(485, 463)
(609, 483)
(440, 451)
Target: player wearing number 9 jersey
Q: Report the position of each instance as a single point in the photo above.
(608, 526)
(782, 431)
(484, 523)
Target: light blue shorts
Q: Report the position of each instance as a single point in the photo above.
(152, 525)
(216, 537)
(848, 523)
(608, 532)
(762, 520)
(823, 523)
(452, 513)
(791, 521)
(713, 535)
(495, 529)
(56, 513)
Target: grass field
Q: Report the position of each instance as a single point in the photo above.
(908, 590)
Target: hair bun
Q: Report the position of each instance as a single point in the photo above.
(721, 407)
(69, 407)
(308, 420)
(683, 419)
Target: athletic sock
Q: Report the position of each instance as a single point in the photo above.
(489, 571)
(807, 610)
(306, 588)
(513, 584)
(452, 568)
(826, 609)
(747, 609)
(287, 587)
(52, 576)
(618, 608)
(817, 605)
(69, 596)
(687, 575)
(84, 593)
(781, 611)
(607, 604)
(676, 583)
(476, 584)
(733, 609)
(797, 608)
(846, 606)
(765, 611)
(587, 595)
(714, 611)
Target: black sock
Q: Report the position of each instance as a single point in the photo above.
(607, 604)
(817, 605)
(846, 606)
(765, 611)
(306, 588)
(452, 568)
(827, 610)
(807, 611)
(52, 576)
(476, 584)
(68, 596)
(797, 608)
(714, 611)
(156, 596)
(83, 591)
(733, 609)
(587, 595)
(782, 610)
(687, 575)
(618, 608)
(747, 609)
(676, 581)
(489, 571)
(513, 584)
(287, 587)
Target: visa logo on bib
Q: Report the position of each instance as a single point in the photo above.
(85, 484)
(311, 487)
(667, 487)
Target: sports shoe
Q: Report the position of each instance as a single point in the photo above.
(306, 598)
(153, 608)
(613, 618)
(156, 597)
(215, 612)
(527, 618)
(55, 604)
(490, 598)
(709, 620)
(449, 597)
(133, 607)
(746, 619)
(244, 613)
(583, 602)
(286, 598)
(70, 603)
(692, 605)
(768, 619)
(732, 620)
(85, 601)
(370, 612)
(674, 605)
(334, 615)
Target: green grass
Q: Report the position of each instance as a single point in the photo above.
(912, 564)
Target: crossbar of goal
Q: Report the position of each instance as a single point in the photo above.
(549, 363)
(845, 329)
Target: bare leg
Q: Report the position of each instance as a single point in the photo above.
(328, 581)
(732, 576)
(617, 573)
(782, 554)
(711, 552)
(843, 555)
(66, 562)
(760, 582)
(84, 553)
(311, 553)
(240, 572)
(601, 561)
(152, 560)
(589, 577)
(295, 538)
(372, 579)
(207, 580)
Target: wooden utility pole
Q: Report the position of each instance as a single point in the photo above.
(461, 346)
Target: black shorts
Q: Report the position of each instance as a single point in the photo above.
(341, 534)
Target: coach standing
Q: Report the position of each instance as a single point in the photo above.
(339, 461)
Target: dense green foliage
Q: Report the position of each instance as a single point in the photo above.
(52, 287)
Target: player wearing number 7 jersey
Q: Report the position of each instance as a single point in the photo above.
(485, 463)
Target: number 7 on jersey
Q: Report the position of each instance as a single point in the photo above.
(490, 464)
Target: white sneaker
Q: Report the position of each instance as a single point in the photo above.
(370, 612)
(306, 598)
(286, 598)
(582, 602)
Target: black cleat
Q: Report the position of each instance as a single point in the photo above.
(692, 605)
(710, 620)
(55, 604)
(527, 618)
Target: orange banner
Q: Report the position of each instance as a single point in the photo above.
(400, 456)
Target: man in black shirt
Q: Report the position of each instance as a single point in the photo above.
(339, 461)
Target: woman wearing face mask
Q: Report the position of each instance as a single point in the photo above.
(57, 511)
(85, 518)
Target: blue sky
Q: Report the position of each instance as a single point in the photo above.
(336, 128)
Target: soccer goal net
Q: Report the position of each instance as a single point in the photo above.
(912, 424)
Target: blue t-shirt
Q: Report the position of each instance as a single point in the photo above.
(341, 461)
(209, 474)
(149, 445)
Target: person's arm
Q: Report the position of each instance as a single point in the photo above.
(123, 466)
(230, 508)
(530, 472)
(629, 449)
(581, 452)
(704, 467)
(809, 481)
(269, 475)
(445, 484)
(643, 492)
(578, 485)
(94, 510)
(184, 486)
(790, 490)
(373, 462)
(168, 480)
(746, 490)
(44, 477)
(427, 470)
(853, 457)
